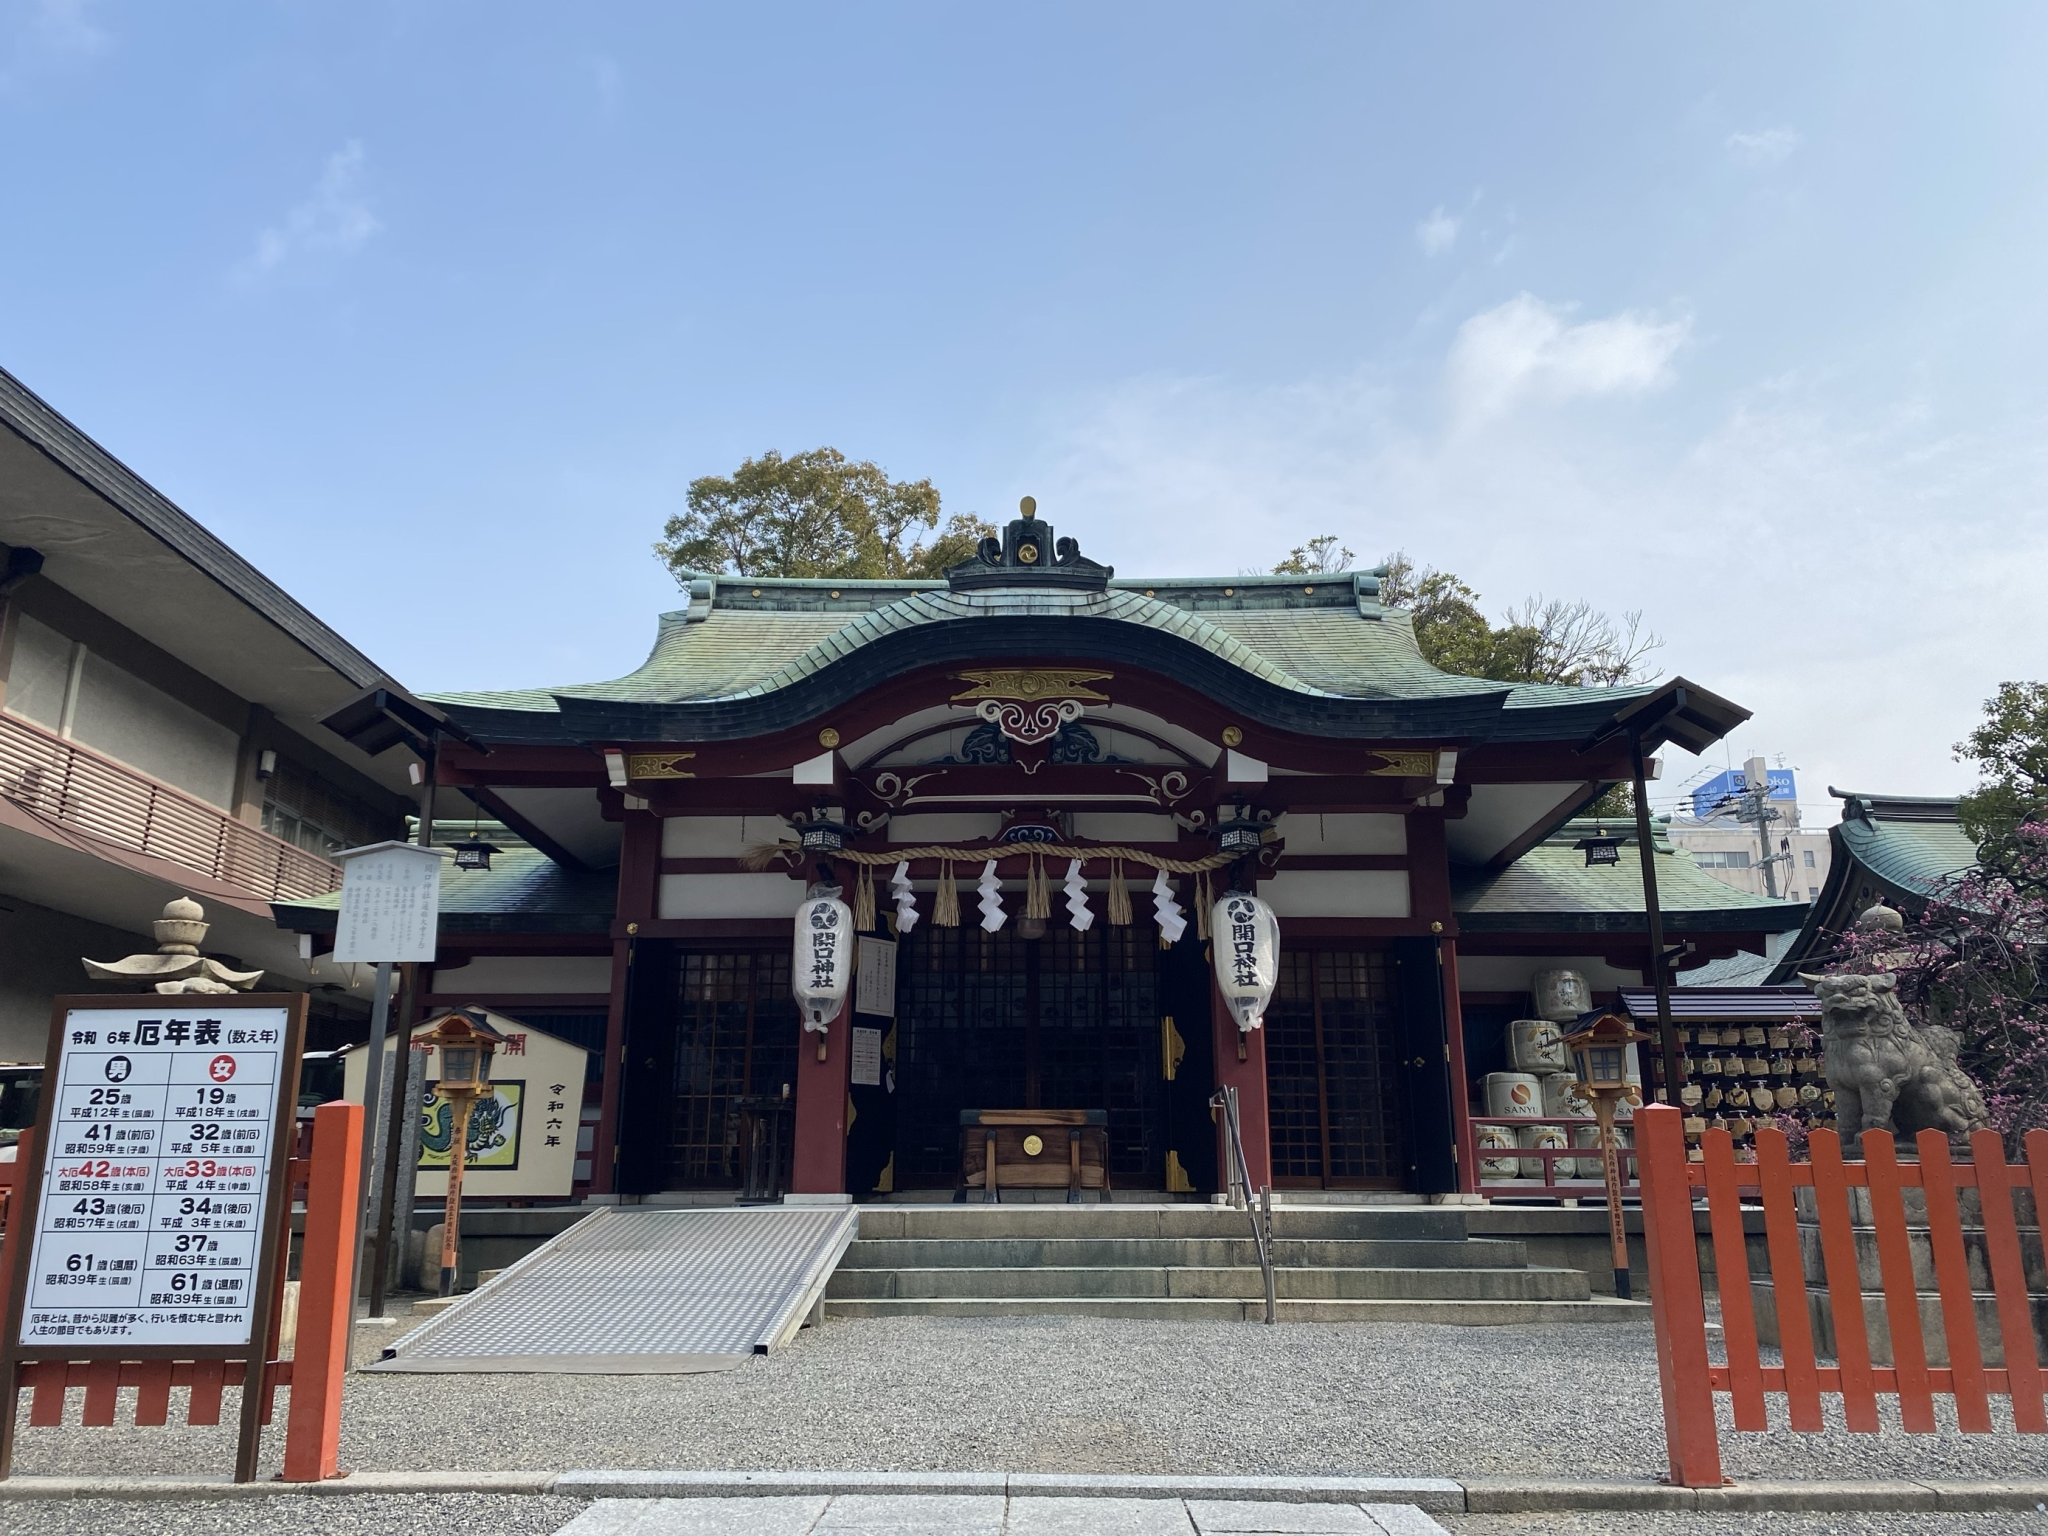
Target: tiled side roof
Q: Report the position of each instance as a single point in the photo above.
(523, 889)
(1911, 855)
(1552, 884)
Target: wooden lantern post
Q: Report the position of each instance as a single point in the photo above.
(466, 1045)
(1599, 1052)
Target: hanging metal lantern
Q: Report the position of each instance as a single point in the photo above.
(474, 853)
(1246, 947)
(821, 963)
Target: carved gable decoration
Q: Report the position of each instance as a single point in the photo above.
(1030, 705)
(1027, 555)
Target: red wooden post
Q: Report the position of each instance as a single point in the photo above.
(1952, 1278)
(153, 1393)
(1248, 1077)
(1731, 1266)
(1845, 1281)
(2009, 1283)
(1788, 1280)
(1901, 1290)
(312, 1445)
(818, 1157)
(1676, 1302)
(46, 1403)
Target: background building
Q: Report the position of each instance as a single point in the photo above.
(159, 735)
(1720, 832)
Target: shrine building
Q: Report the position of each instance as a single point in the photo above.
(1031, 781)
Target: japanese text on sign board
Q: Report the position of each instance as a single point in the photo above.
(156, 1177)
(390, 905)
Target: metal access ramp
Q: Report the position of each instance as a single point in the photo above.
(638, 1291)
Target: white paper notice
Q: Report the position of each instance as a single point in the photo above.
(867, 1058)
(390, 905)
(874, 982)
(156, 1177)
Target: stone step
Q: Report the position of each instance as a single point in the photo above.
(1242, 1283)
(1077, 1252)
(1353, 1223)
(1168, 1309)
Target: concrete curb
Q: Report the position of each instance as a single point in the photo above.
(1478, 1495)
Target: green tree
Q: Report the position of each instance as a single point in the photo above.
(1538, 641)
(2010, 749)
(815, 514)
(1323, 556)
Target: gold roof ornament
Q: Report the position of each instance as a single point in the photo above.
(177, 966)
(1031, 684)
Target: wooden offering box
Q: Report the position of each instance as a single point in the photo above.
(1034, 1149)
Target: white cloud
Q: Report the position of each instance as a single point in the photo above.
(45, 36)
(1526, 348)
(1861, 578)
(1766, 147)
(1437, 233)
(334, 221)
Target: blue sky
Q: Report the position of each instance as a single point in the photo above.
(1733, 314)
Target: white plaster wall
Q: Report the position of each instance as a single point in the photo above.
(1317, 832)
(716, 837)
(120, 715)
(1124, 827)
(1337, 893)
(772, 895)
(527, 973)
(959, 827)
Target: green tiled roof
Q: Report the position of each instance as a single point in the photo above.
(1552, 887)
(742, 638)
(1913, 845)
(522, 891)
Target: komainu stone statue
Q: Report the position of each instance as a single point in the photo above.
(1887, 1075)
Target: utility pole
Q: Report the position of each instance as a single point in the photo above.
(1757, 779)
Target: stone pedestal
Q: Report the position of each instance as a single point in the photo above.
(1820, 1307)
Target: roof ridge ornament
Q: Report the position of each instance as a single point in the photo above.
(1027, 555)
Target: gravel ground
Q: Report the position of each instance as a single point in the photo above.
(364, 1515)
(1075, 1395)
(1618, 1524)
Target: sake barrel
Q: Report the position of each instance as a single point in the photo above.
(1589, 1136)
(1561, 995)
(1558, 1104)
(1514, 1093)
(1494, 1138)
(1536, 1045)
(1544, 1136)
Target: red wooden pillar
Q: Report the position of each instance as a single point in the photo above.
(1461, 1087)
(638, 902)
(818, 1163)
(1248, 1077)
(312, 1446)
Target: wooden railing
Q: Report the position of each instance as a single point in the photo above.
(76, 787)
(1899, 1318)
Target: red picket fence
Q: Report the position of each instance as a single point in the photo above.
(1690, 1378)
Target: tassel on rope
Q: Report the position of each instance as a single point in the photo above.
(1119, 896)
(1203, 902)
(946, 904)
(864, 899)
(1037, 897)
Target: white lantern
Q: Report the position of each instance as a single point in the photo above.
(1246, 946)
(821, 964)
